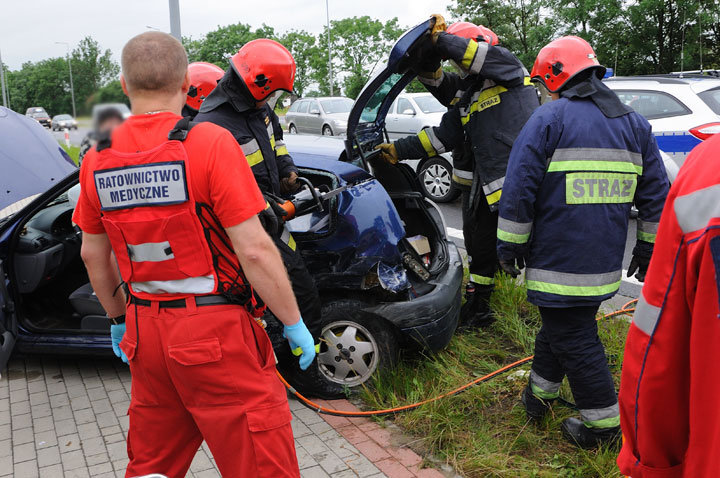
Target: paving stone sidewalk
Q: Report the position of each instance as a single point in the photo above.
(68, 418)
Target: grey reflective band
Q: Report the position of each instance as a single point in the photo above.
(648, 227)
(150, 252)
(695, 210)
(270, 130)
(192, 285)
(514, 227)
(646, 316)
(479, 59)
(279, 144)
(597, 154)
(250, 147)
(607, 417)
(463, 174)
(494, 185)
(569, 284)
(543, 384)
(435, 141)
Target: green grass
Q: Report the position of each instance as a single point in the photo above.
(72, 151)
(484, 432)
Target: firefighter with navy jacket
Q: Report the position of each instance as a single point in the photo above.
(575, 170)
(204, 77)
(488, 107)
(239, 104)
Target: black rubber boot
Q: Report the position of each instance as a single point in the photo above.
(476, 312)
(575, 431)
(535, 408)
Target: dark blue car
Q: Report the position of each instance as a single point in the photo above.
(387, 274)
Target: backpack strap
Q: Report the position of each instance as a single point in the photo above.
(181, 129)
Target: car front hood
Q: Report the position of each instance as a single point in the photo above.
(31, 160)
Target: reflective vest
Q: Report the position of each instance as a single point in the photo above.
(160, 236)
(572, 179)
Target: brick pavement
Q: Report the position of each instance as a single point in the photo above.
(68, 418)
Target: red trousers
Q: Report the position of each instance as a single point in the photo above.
(205, 373)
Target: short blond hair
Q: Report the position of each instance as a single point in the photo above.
(154, 62)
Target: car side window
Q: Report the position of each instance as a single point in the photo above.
(392, 109)
(653, 104)
(303, 108)
(293, 107)
(404, 107)
(314, 107)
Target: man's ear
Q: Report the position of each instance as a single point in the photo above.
(124, 85)
(186, 83)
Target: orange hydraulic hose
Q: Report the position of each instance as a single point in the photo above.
(388, 411)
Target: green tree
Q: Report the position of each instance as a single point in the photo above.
(303, 47)
(110, 93)
(220, 44)
(92, 68)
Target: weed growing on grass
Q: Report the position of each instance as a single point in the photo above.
(484, 432)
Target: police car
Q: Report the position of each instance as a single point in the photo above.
(683, 109)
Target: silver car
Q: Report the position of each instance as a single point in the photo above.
(325, 115)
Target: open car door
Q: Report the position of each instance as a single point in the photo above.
(8, 321)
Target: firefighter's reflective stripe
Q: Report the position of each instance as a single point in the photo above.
(646, 316)
(493, 190)
(191, 285)
(433, 79)
(462, 177)
(288, 239)
(493, 198)
(280, 148)
(480, 101)
(431, 143)
(515, 232)
(543, 388)
(252, 151)
(474, 56)
(600, 188)
(150, 252)
(607, 417)
(596, 159)
(695, 210)
(646, 231)
(481, 280)
(565, 283)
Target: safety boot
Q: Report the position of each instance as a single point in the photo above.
(577, 433)
(535, 407)
(476, 312)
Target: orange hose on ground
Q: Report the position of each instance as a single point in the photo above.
(369, 413)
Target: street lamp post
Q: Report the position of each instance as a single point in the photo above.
(72, 88)
(2, 83)
(327, 12)
(175, 19)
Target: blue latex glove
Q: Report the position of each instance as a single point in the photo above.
(299, 337)
(116, 334)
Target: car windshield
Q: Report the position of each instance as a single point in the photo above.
(63, 117)
(712, 99)
(372, 108)
(429, 104)
(337, 105)
(40, 114)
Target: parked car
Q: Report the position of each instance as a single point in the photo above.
(412, 112)
(121, 107)
(682, 109)
(40, 115)
(63, 121)
(325, 115)
(387, 274)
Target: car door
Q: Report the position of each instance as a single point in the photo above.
(406, 114)
(302, 115)
(8, 321)
(391, 122)
(314, 118)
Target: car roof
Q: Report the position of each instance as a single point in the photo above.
(694, 81)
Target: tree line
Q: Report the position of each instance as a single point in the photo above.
(634, 37)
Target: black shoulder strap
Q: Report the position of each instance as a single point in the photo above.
(104, 141)
(181, 129)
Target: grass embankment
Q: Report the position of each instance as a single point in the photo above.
(72, 151)
(483, 432)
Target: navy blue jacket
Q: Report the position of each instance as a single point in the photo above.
(572, 178)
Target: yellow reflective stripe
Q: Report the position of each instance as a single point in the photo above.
(599, 188)
(494, 197)
(469, 55)
(272, 142)
(481, 280)
(485, 99)
(512, 237)
(463, 181)
(528, 82)
(281, 151)
(426, 143)
(615, 166)
(254, 158)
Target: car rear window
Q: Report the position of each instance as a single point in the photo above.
(653, 104)
(712, 99)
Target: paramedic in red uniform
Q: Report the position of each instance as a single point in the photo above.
(669, 410)
(182, 222)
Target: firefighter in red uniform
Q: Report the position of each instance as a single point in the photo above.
(182, 222)
(669, 410)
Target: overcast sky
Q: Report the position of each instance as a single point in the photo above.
(30, 28)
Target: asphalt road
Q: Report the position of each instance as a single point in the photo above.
(76, 135)
(629, 287)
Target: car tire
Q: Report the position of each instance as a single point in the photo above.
(327, 130)
(336, 372)
(292, 129)
(435, 176)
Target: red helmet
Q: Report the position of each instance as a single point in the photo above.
(204, 78)
(474, 32)
(562, 59)
(265, 66)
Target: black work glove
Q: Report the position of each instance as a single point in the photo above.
(642, 252)
(272, 216)
(512, 267)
